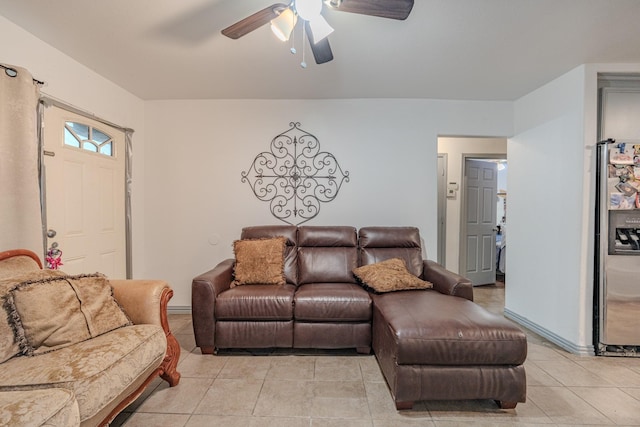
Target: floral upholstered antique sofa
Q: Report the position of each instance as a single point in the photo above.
(76, 350)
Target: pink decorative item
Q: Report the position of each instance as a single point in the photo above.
(54, 258)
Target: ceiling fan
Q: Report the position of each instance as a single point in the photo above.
(283, 18)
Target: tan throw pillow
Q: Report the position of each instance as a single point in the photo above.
(8, 345)
(388, 276)
(259, 261)
(48, 314)
(101, 310)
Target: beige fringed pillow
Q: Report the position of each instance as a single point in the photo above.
(259, 261)
(388, 276)
(8, 345)
(51, 313)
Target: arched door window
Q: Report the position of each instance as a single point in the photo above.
(88, 138)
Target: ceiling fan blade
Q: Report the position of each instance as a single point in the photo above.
(321, 50)
(253, 22)
(393, 9)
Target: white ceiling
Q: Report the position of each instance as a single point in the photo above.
(446, 49)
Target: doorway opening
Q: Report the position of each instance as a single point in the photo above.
(473, 214)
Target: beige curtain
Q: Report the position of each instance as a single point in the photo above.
(20, 214)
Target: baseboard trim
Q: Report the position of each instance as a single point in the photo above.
(180, 309)
(551, 336)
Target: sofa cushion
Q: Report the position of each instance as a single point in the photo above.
(48, 407)
(429, 328)
(256, 302)
(50, 313)
(389, 276)
(259, 262)
(8, 344)
(382, 243)
(327, 254)
(327, 236)
(327, 265)
(96, 370)
(331, 302)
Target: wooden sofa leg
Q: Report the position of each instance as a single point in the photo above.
(506, 405)
(169, 373)
(401, 406)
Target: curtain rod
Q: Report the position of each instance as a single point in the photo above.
(48, 101)
(12, 72)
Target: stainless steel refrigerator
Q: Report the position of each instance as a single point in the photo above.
(617, 250)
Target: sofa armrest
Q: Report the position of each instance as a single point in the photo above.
(447, 282)
(145, 302)
(140, 299)
(204, 290)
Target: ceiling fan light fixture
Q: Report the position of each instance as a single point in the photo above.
(334, 4)
(308, 9)
(283, 25)
(320, 28)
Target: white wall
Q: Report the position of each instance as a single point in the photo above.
(545, 270)
(196, 204)
(83, 88)
(455, 148)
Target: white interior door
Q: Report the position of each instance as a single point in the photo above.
(85, 193)
(481, 189)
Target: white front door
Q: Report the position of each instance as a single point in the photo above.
(481, 189)
(84, 165)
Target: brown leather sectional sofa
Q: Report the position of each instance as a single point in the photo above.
(434, 344)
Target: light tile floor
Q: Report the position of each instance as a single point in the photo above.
(331, 389)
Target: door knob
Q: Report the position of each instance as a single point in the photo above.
(51, 233)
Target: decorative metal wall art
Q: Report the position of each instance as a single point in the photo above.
(295, 176)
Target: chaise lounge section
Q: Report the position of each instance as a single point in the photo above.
(431, 344)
